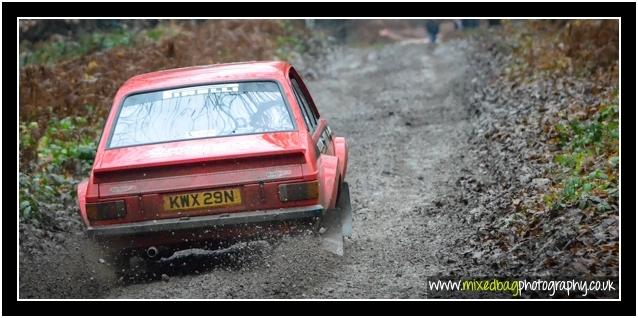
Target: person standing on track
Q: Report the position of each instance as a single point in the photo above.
(432, 28)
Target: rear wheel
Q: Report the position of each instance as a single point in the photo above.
(342, 206)
(131, 264)
(120, 262)
(343, 197)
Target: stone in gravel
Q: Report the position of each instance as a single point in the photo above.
(59, 237)
(525, 178)
(477, 255)
(540, 183)
(101, 260)
(165, 277)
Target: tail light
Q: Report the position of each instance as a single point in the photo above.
(105, 210)
(298, 191)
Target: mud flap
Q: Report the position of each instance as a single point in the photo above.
(332, 237)
(346, 210)
(337, 223)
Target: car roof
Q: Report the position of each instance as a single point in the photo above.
(194, 75)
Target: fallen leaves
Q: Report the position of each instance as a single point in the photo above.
(518, 102)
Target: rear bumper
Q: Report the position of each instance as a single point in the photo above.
(218, 221)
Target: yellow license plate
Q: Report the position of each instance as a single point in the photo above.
(202, 200)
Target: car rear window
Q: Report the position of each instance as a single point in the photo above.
(200, 112)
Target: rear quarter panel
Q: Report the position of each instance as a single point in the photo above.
(328, 176)
(341, 151)
(81, 191)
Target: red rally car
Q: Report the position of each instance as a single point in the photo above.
(206, 156)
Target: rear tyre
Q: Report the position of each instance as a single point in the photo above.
(132, 265)
(343, 202)
(343, 197)
(316, 225)
(119, 260)
(139, 267)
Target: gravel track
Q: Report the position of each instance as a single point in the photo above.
(401, 108)
(442, 149)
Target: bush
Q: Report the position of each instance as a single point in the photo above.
(587, 171)
(64, 48)
(63, 155)
(585, 48)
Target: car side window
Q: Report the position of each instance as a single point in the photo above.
(309, 116)
(301, 107)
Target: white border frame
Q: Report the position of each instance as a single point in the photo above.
(318, 18)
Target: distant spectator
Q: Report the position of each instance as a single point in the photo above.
(432, 27)
(469, 23)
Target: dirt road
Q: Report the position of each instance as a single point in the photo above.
(452, 171)
(401, 107)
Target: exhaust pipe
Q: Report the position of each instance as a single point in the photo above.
(152, 252)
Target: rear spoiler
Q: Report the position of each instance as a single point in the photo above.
(199, 165)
